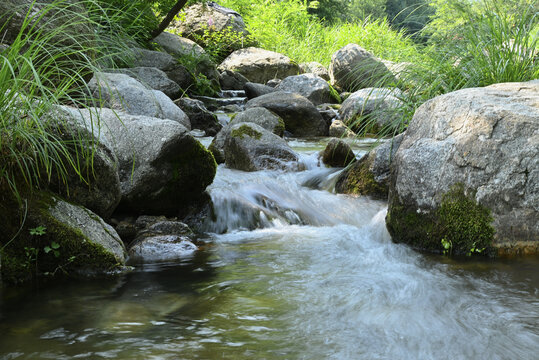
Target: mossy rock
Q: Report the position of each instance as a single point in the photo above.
(55, 238)
(245, 130)
(358, 179)
(459, 222)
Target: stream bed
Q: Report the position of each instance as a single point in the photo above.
(287, 270)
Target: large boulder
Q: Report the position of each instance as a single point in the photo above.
(370, 175)
(371, 109)
(259, 65)
(57, 238)
(316, 69)
(162, 168)
(166, 63)
(338, 154)
(122, 92)
(201, 17)
(250, 147)
(153, 78)
(310, 86)
(467, 172)
(300, 116)
(353, 68)
(99, 189)
(257, 115)
(200, 117)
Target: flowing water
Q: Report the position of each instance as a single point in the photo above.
(288, 270)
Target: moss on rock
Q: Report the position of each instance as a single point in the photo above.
(359, 180)
(459, 221)
(246, 130)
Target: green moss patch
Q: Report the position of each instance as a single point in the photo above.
(246, 130)
(359, 180)
(459, 222)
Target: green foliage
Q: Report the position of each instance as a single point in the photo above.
(219, 44)
(38, 230)
(247, 131)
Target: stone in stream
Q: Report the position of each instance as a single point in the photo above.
(316, 69)
(310, 86)
(370, 175)
(259, 116)
(213, 103)
(231, 80)
(122, 92)
(163, 169)
(338, 129)
(259, 65)
(353, 68)
(338, 154)
(300, 116)
(467, 172)
(250, 147)
(200, 117)
(253, 90)
(78, 241)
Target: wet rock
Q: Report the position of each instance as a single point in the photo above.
(122, 92)
(310, 86)
(353, 68)
(370, 175)
(338, 154)
(200, 117)
(467, 170)
(371, 109)
(259, 65)
(250, 147)
(329, 112)
(152, 78)
(253, 90)
(300, 116)
(262, 117)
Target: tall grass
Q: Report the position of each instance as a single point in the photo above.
(47, 64)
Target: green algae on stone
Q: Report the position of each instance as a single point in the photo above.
(359, 180)
(459, 220)
(246, 130)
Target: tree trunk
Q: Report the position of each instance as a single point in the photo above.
(166, 21)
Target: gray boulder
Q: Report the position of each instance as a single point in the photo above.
(258, 116)
(370, 175)
(231, 80)
(338, 154)
(259, 65)
(74, 241)
(166, 63)
(152, 78)
(371, 109)
(250, 147)
(199, 116)
(201, 17)
(100, 189)
(162, 168)
(122, 92)
(253, 90)
(300, 116)
(310, 86)
(339, 130)
(353, 68)
(162, 241)
(316, 69)
(467, 171)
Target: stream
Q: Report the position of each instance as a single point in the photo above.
(288, 270)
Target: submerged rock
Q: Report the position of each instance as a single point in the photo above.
(467, 171)
(250, 147)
